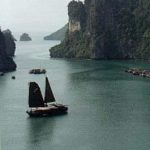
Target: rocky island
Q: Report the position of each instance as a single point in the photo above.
(102, 29)
(25, 37)
(6, 61)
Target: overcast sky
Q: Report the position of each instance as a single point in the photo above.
(33, 15)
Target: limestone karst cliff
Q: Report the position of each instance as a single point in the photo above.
(6, 62)
(9, 42)
(106, 29)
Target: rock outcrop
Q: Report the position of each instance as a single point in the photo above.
(58, 35)
(25, 37)
(9, 42)
(6, 62)
(106, 29)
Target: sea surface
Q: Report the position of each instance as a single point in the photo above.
(108, 108)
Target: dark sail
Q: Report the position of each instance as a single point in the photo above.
(49, 97)
(35, 96)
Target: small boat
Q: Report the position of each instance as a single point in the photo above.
(13, 77)
(40, 107)
(37, 71)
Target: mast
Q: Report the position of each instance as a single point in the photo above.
(49, 96)
(35, 96)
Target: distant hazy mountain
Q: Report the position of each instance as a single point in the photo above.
(58, 35)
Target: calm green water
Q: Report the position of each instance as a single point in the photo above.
(108, 109)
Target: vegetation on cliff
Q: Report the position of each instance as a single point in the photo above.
(74, 45)
(143, 29)
(114, 29)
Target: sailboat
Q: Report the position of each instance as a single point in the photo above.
(43, 107)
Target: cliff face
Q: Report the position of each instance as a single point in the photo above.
(73, 43)
(111, 28)
(6, 62)
(76, 12)
(106, 29)
(143, 29)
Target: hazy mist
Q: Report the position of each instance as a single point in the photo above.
(33, 15)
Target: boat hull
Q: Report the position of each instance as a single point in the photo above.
(50, 110)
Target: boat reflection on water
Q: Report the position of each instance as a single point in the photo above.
(40, 130)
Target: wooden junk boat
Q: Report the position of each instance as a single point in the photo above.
(43, 107)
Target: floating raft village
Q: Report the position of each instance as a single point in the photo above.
(139, 72)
